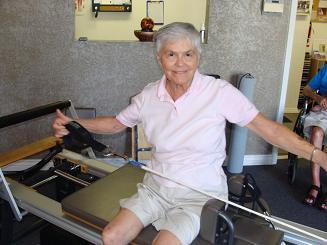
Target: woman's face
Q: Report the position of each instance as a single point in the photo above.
(179, 60)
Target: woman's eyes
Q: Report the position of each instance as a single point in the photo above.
(174, 55)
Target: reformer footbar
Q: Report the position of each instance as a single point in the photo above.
(86, 138)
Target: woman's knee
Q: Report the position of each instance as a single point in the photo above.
(112, 235)
(122, 229)
(317, 133)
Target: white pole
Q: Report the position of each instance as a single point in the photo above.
(286, 71)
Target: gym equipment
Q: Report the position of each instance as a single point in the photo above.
(77, 176)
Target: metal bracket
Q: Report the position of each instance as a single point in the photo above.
(7, 195)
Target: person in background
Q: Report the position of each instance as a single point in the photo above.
(315, 126)
(184, 117)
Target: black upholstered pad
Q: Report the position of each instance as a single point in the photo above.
(98, 203)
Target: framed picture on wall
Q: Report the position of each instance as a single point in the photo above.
(155, 10)
(303, 7)
(319, 11)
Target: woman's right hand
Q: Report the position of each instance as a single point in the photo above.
(59, 124)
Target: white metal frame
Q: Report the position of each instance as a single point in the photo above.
(286, 72)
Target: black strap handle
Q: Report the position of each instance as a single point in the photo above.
(81, 134)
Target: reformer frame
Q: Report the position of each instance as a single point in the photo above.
(51, 211)
(32, 201)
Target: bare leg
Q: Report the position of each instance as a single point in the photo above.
(317, 137)
(165, 237)
(124, 227)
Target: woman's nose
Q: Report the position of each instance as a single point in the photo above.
(180, 60)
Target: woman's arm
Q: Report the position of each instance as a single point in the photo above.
(103, 125)
(280, 136)
(100, 125)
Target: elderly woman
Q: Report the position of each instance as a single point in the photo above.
(184, 116)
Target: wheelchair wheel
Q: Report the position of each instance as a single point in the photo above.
(292, 166)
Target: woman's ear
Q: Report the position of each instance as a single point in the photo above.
(198, 58)
(159, 59)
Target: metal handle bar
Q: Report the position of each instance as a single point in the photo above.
(39, 111)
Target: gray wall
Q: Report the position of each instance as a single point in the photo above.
(40, 63)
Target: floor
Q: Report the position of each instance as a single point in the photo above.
(284, 198)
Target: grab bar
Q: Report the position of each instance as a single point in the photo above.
(36, 112)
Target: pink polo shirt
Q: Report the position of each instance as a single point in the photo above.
(188, 135)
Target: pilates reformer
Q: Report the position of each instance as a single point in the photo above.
(88, 208)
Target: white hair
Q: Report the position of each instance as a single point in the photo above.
(176, 31)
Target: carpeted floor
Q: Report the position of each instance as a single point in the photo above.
(284, 199)
(286, 120)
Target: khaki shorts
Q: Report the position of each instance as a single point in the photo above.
(176, 210)
(315, 119)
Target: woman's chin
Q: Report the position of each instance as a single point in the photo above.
(181, 80)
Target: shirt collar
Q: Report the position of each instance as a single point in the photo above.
(195, 86)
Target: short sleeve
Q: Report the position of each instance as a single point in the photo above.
(130, 116)
(235, 107)
(315, 82)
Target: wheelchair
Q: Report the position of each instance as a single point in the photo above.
(298, 129)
